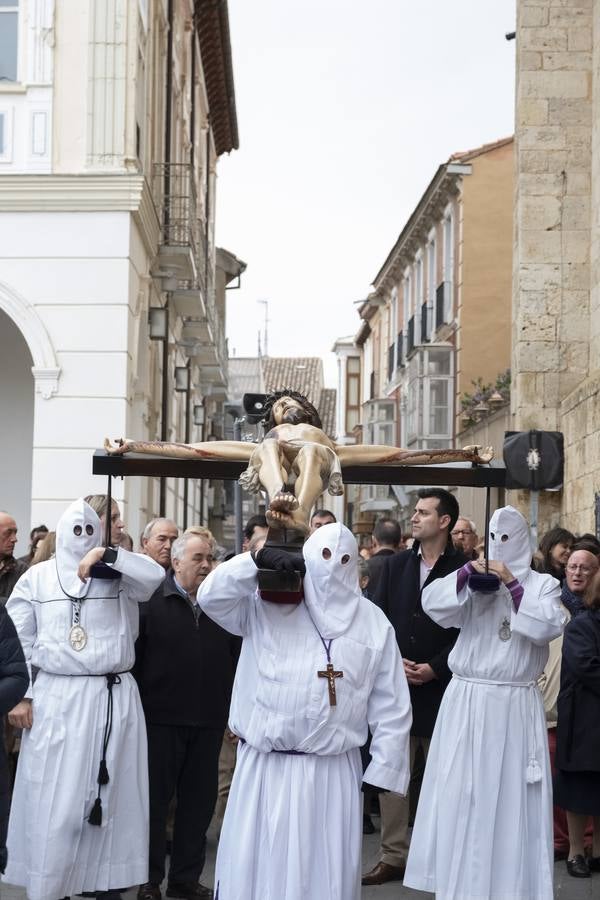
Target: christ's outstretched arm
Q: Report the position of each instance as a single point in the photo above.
(365, 454)
(240, 451)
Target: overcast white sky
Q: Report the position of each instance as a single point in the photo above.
(345, 110)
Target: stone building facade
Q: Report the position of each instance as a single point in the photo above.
(112, 118)
(556, 276)
(438, 317)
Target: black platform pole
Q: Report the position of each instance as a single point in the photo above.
(487, 528)
(108, 514)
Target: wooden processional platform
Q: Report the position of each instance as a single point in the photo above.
(451, 474)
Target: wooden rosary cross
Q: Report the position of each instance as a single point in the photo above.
(330, 674)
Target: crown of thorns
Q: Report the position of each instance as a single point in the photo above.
(274, 396)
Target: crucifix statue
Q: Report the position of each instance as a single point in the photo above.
(296, 461)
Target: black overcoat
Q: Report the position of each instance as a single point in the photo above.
(578, 728)
(14, 681)
(184, 662)
(419, 638)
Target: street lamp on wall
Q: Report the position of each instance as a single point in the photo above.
(158, 323)
(199, 414)
(182, 378)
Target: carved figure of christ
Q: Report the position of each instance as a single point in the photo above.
(294, 447)
(330, 674)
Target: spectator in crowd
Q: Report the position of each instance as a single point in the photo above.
(465, 538)
(580, 570)
(577, 781)
(555, 547)
(363, 576)
(582, 565)
(385, 542)
(184, 668)
(158, 537)
(483, 824)
(84, 734)
(14, 681)
(35, 536)
(126, 541)
(99, 502)
(11, 569)
(321, 517)
(255, 526)
(584, 543)
(424, 646)
(46, 548)
(589, 539)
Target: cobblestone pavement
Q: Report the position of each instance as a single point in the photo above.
(565, 887)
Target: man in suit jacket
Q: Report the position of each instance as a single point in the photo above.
(184, 667)
(387, 535)
(424, 646)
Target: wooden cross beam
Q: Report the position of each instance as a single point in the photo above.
(455, 474)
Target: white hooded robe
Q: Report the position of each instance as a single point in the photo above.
(483, 829)
(293, 824)
(53, 851)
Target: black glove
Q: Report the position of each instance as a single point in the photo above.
(279, 560)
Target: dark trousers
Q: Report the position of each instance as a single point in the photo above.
(182, 762)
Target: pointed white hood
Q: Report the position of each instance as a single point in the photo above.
(509, 541)
(78, 531)
(331, 589)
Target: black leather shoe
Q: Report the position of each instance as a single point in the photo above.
(577, 867)
(149, 891)
(189, 890)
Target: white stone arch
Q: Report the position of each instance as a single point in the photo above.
(45, 369)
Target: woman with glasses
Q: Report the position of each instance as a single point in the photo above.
(577, 782)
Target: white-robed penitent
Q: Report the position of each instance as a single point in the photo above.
(53, 850)
(483, 829)
(293, 824)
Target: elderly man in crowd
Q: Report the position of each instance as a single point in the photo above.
(11, 569)
(581, 567)
(184, 668)
(464, 537)
(157, 539)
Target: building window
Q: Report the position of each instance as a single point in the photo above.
(429, 399)
(406, 292)
(437, 384)
(448, 264)
(419, 284)
(438, 406)
(9, 36)
(352, 393)
(431, 285)
(380, 426)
